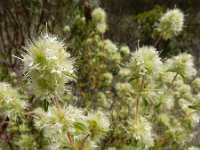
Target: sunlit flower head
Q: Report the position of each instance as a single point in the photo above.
(182, 64)
(47, 66)
(98, 123)
(171, 23)
(99, 15)
(101, 27)
(145, 62)
(142, 132)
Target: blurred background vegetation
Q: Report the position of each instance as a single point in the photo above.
(129, 21)
(134, 20)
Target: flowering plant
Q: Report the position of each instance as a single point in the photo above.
(92, 93)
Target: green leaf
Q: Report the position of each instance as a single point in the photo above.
(70, 75)
(45, 105)
(80, 128)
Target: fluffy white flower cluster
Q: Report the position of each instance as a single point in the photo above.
(196, 85)
(47, 66)
(124, 89)
(142, 132)
(145, 62)
(58, 125)
(99, 17)
(171, 23)
(98, 124)
(182, 64)
(11, 103)
(167, 100)
(108, 77)
(112, 51)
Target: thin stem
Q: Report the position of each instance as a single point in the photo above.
(68, 134)
(57, 103)
(71, 141)
(137, 111)
(174, 78)
(173, 81)
(8, 141)
(28, 113)
(157, 41)
(83, 142)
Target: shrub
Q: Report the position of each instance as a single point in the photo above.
(92, 93)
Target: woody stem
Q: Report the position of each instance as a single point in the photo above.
(68, 134)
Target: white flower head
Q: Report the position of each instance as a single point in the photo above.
(101, 27)
(171, 23)
(142, 132)
(98, 123)
(196, 84)
(145, 61)
(182, 64)
(124, 89)
(47, 66)
(99, 15)
(56, 124)
(11, 103)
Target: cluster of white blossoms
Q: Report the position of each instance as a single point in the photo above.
(98, 124)
(70, 120)
(107, 77)
(167, 100)
(196, 85)
(124, 89)
(112, 51)
(171, 24)
(142, 132)
(124, 72)
(56, 124)
(145, 62)
(182, 64)
(47, 66)
(99, 17)
(11, 103)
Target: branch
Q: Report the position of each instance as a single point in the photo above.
(157, 41)
(173, 81)
(70, 140)
(137, 109)
(57, 103)
(83, 142)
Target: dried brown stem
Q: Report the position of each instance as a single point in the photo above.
(71, 141)
(68, 134)
(172, 81)
(83, 142)
(57, 103)
(157, 41)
